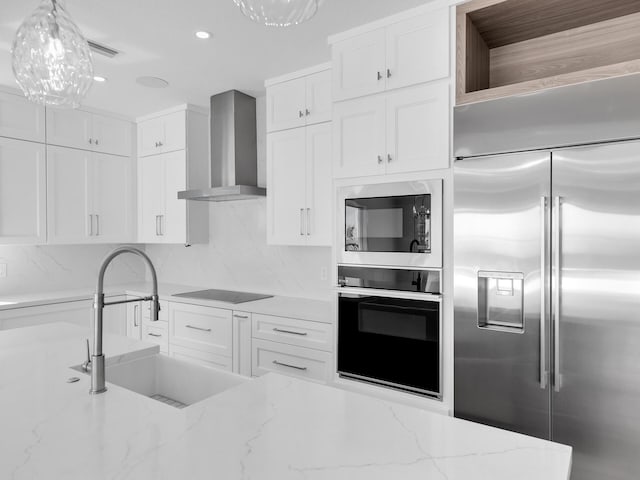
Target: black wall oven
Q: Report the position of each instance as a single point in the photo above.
(390, 328)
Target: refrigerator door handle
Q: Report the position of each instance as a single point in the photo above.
(544, 204)
(557, 247)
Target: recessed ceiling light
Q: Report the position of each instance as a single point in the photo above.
(203, 35)
(152, 82)
(99, 79)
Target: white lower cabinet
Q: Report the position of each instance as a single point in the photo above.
(290, 360)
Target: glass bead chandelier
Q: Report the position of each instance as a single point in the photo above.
(51, 59)
(279, 13)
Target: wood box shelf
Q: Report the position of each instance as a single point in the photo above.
(510, 47)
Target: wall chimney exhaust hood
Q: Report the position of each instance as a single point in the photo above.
(234, 160)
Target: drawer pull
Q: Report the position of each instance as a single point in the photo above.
(303, 334)
(198, 328)
(154, 334)
(240, 316)
(290, 366)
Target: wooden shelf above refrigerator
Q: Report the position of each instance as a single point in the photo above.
(510, 47)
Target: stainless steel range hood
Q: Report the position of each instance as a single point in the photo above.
(234, 161)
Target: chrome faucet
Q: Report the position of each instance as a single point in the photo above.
(97, 359)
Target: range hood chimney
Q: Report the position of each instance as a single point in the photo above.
(234, 160)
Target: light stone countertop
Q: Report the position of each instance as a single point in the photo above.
(271, 428)
(283, 306)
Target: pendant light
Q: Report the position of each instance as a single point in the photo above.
(51, 59)
(279, 13)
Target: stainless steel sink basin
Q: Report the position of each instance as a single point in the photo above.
(171, 381)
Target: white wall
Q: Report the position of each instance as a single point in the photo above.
(238, 257)
(48, 268)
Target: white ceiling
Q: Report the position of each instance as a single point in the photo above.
(157, 39)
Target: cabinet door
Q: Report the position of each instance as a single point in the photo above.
(111, 135)
(418, 129)
(150, 135)
(20, 118)
(175, 132)
(319, 103)
(359, 65)
(173, 223)
(134, 320)
(319, 185)
(359, 146)
(68, 213)
(112, 198)
(286, 105)
(22, 192)
(150, 198)
(418, 49)
(69, 128)
(286, 187)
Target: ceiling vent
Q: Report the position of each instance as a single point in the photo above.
(102, 49)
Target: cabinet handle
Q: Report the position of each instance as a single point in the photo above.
(302, 222)
(557, 264)
(157, 228)
(308, 221)
(307, 112)
(379, 75)
(97, 225)
(90, 142)
(302, 334)
(240, 316)
(162, 225)
(135, 316)
(96, 142)
(290, 366)
(380, 159)
(198, 328)
(91, 225)
(159, 144)
(389, 157)
(388, 73)
(156, 144)
(154, 335)
(300, 114)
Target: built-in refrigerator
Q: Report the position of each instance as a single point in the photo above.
(547, 290)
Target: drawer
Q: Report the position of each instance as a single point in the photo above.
(293, 331)
(163, 315)
(201, 328)
(156, 333)
(203, 358)
(290, 360)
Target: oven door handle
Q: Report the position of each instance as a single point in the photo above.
(375, 292)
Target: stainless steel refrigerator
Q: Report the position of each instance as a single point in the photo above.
(547, 296)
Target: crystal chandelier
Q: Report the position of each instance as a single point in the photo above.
(279, 13)
(51, 59)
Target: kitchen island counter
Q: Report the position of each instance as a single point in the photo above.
(273, 427)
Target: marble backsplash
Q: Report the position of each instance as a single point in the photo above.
(238, 257)
(49, 268)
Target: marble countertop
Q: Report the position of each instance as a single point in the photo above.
(303, 308)
(271, 428)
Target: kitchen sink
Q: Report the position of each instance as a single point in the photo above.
(175, 382)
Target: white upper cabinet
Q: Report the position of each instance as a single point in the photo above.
(20, 118)
(299, 101)
(405, 53)
(359, 65)
(162, 134)
(299, 186)
(89, 131)
(404, 131)
(89, 197)
(167, 169)
(22, 192)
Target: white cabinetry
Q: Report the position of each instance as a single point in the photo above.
(299, 180)
(89, 131)
(403, 131)
(405, 53)
(298, 102)
(20, 118)
(22, 192)
(89, 197)
(166, 169)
